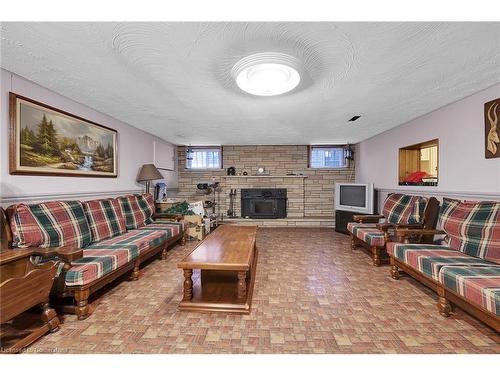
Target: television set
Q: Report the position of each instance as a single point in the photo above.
(359, 198)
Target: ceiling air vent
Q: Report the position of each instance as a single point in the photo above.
(354, 118)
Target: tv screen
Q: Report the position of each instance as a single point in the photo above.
(353, 195)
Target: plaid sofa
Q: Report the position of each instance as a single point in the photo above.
(111, 232)
(467, 264)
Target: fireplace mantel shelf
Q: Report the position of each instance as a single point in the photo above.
(265, 176)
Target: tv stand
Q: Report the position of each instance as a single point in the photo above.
(342, 218)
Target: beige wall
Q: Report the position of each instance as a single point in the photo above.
(308, 197)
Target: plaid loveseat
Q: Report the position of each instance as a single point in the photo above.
(398, 210)
(113, 234)
(465, 267)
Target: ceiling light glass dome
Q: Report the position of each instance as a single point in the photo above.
(267, 74)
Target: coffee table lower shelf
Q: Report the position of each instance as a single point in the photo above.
(217, 291)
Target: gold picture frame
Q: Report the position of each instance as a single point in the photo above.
(48, 141)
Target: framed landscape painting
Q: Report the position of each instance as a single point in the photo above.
(47, 141)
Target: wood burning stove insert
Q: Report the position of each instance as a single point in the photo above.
(263, 203)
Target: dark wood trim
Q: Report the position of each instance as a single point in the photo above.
(13, 137)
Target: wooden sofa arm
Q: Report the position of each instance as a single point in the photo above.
(11, 255)
(403, 234)
(386, 226)
(367, 218)
(67, 254)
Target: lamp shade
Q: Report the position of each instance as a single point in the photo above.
(149, 172)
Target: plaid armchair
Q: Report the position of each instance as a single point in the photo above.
(399, 211)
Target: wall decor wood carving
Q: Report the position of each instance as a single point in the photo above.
(47, 141)
(492, 131)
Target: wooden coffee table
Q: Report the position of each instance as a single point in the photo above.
(226, 260)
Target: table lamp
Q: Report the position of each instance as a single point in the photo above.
(148, 173)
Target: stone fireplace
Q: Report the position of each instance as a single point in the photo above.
(309, 192)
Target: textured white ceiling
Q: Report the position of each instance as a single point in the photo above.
(173, 79)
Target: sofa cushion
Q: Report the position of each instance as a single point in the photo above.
(480, 285)
(404, 209)
(137, 210)
(147, 205)
(153, 238)
(172, 228)
(102, 258)
(472, 227)
(367, 233)
(142, 239)
(105, 218)
(99, 262)
(352, 225)
(49, 224)
(429, 259)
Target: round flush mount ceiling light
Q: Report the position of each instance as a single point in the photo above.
(267, 74)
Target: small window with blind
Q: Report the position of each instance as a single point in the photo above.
(328, 157)
(209, 157)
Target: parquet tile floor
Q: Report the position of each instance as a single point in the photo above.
(312, 295)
